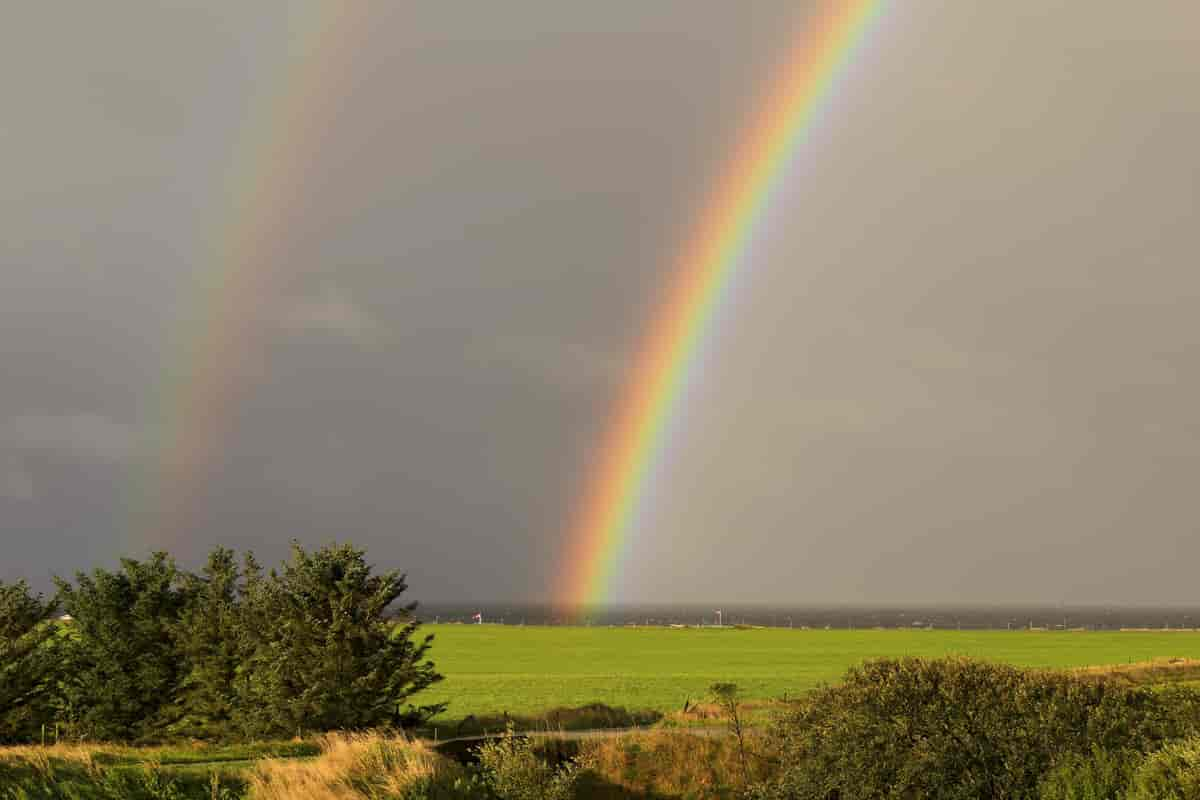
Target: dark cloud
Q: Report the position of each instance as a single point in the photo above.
(960, 363)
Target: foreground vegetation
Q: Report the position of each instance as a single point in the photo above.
(899, 728)
(232, 658)
(524, 671)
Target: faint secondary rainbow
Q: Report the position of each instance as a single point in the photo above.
(220, 344)
(617, 484)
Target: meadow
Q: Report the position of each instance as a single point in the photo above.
(527, 671)
(493, 669)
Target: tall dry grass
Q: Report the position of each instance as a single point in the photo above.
(40, 757)
(353, 767)
(665, 762)
(43, 762)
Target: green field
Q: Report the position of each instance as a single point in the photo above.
(491, 669)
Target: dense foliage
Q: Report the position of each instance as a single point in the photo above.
(513, 770)
(27, 659)
(1173, 773)
(957, 728)
(153, 652)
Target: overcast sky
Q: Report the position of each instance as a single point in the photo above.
(963, 364)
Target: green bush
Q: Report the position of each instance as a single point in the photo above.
(1173, 773)
(1102, 775)
(512, 770)
(957, 728)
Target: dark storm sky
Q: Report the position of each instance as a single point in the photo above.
(963, 364)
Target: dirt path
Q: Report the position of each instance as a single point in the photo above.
(460, 747)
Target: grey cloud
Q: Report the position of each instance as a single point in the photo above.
(15, 481)
(555, 359)
(959, 361)
(331, 311)
(83, 436)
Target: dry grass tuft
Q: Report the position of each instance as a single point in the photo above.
(41, 760)
(665, 762)
(353, 766)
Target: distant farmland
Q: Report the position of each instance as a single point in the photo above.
(491, 669)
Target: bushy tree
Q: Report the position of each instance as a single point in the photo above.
(155, 652)
(28, 660)
(322, 653)
(121, 665)
(207, 638)
(956, 728)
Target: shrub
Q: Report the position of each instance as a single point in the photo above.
(1173, 773)
(1103, 775)
(513, 771)
(956, 728)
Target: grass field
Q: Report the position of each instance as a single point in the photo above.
(491, 669)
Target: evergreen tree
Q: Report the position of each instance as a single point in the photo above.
(123, 668)
(326, 656)
(205, 639)
(28, 660)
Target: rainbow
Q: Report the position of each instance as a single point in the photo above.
(219, 347)
(606, 514)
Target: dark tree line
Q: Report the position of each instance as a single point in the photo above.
(153, 652)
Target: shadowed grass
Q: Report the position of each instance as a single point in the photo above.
(670, 763)
(112, 772)
(588, 717)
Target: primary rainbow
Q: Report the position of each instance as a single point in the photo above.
(605, 516)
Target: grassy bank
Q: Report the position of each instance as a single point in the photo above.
(359, 767)
(105, 772)
(493, 669)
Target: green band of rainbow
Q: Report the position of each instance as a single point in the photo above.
(616, 486)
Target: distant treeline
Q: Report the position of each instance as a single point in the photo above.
(151, 652)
